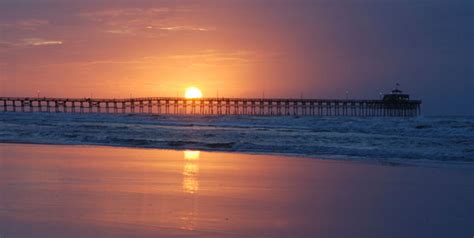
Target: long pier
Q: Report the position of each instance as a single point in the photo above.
(216, 106)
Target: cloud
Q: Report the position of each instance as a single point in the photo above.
(28, 42)
(5, 45)
(185, 28)
(16, 27)
(119, 31)
(155, 30)
(199, 59)
(126, 17)
(221, 58)
(123, 13)
(26, 24)
(148, 21)
(40, 42)
(32, 24)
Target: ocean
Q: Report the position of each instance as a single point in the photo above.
(422, 139)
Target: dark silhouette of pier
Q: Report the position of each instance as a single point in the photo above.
(393, 106)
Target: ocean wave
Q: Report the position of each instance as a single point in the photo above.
(424, 138)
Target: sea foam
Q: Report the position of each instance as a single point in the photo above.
(423, 138)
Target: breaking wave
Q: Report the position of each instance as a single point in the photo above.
(424, 138)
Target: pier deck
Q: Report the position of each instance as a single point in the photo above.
(216, 106)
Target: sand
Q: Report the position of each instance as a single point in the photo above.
(84, 191)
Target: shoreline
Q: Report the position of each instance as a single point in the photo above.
(341, 158)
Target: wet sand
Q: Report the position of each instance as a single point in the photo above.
(83, 191)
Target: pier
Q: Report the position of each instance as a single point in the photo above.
(387, 107)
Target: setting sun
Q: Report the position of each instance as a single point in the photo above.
(193, 92)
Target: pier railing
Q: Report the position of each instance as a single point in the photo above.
(216, 106)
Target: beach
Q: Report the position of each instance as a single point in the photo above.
(100, 191)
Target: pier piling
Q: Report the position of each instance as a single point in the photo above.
(217, 106)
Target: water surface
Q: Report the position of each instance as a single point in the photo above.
(436, 139)
(82, 191)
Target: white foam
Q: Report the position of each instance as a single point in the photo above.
(423, 139)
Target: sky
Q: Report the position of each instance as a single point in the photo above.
(241, 48)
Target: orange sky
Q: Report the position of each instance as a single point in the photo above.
(115, 51)
(240, 48)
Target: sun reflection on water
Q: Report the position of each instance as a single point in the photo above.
(191, 154)
(191, 171)
(190, 186)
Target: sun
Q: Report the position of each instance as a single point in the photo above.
(193, 92)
